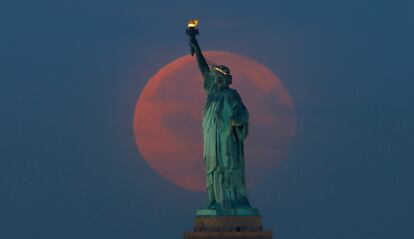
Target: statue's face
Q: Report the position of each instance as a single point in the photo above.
(222, 75)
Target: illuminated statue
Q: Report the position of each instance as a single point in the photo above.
(225, 126)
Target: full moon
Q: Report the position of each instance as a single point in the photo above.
(168, 113)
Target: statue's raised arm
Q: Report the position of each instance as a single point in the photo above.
(195, 48)
(202, 63)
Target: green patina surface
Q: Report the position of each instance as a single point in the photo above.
(228, 212)
(225, 126)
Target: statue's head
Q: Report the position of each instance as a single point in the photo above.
(222, 74)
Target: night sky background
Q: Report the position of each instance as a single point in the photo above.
(71, 72)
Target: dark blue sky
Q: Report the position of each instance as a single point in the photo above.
(71, 72)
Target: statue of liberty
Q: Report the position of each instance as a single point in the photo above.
(225, 126)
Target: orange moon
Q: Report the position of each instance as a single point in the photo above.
(167, 119)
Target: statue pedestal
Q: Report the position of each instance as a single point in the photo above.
(228, 227)
(228, 212)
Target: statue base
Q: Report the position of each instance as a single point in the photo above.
(228, 227)
(228, 212)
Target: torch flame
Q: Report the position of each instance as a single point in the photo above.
(193, 23)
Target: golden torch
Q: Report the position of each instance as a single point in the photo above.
(192, 31)
(193, 23)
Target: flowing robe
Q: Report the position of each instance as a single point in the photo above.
(223, 146)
